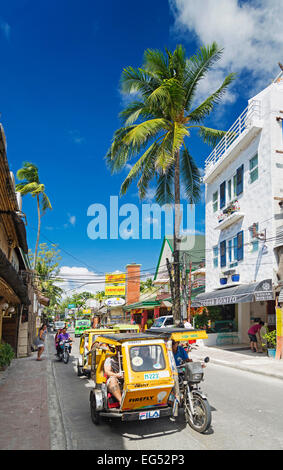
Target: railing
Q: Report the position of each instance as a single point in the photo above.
(244, 122)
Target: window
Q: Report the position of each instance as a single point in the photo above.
(215, 256)
(147, 358)
(223, 254)
(240, 180)
(230, 190)
(240, 246)
(223, 194)
(215, 201)
(253, 169)
(233, 251)
(253, 240)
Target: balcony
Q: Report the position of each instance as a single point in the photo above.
(229, 216)
(240, 134)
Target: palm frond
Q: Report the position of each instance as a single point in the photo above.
(204, 109)
(165, 187)
(45, 202)
(28, 188)
(139, 166)
(190, 177)
(197, 67)
(210, 136)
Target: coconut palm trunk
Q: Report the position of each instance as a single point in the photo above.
(176, 243)
(38, 231)
(156, 127)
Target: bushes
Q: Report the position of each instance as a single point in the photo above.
(6, 355)
(270, 339)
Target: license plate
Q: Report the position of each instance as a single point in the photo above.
(149, 414)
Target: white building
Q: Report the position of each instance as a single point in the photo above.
(244, 214)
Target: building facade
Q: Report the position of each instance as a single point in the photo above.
(244, 214)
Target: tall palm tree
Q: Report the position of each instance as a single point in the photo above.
(31, 184)
(156, 127)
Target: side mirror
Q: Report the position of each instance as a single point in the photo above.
(206, 359)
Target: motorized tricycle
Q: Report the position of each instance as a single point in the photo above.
(87, 339)
(151, 387)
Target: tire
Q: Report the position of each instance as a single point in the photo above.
(66, 356)
(93, 412)
(201, 421)
(79, 370)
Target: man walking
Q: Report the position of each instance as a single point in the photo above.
(252, 332)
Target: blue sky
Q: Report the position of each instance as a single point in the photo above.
(60, 68)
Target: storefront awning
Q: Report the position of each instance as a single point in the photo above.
(253, 292)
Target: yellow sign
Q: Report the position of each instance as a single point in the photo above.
(115, 278)
(279, 322)
(87, 311)
(115, 290)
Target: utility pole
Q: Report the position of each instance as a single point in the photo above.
(172, 287)
(190, 294)
(184, 290)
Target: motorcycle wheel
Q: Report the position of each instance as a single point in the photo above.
(93, 411)
(201, 420)
(66, 356)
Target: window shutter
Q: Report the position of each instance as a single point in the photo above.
(223, 253)
(222, 194)
(240, 180)
(240, 246)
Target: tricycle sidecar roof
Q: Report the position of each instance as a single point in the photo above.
(178, 334)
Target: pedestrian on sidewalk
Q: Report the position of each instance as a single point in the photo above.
(40, 341)
(252, 332)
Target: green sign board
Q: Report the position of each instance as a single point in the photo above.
(72, 306)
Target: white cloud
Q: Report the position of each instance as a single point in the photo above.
(5, 29)
(251, 34)
(76, 137)
(79, 279)
(72, 219)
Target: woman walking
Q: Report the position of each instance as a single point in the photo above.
(40, 341)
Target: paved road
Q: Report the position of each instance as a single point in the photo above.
(247, 413)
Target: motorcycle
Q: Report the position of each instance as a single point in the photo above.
(196, 406)
(64, 350)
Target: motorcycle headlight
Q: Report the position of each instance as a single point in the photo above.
(197, 376)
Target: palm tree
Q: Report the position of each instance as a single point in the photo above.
(156, 126)
(100, 297)
(31, 184)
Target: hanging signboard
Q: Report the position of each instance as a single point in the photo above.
(115, 302)
(115, 290)
(119, 278)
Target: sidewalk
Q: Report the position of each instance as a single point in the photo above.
(23, 405)
(239, 357)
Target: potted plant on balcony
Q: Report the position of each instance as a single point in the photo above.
(270, 340)
(223, 278)
(235, 277)
(221, 217)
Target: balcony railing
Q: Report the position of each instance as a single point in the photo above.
(245, 121)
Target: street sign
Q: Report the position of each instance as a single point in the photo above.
(72, 306)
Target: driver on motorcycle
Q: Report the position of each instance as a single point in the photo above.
(63, 336)
(180, 354)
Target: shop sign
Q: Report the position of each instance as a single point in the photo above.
(115, 302)
(279, 322)
(115, 290)
(115, 278)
